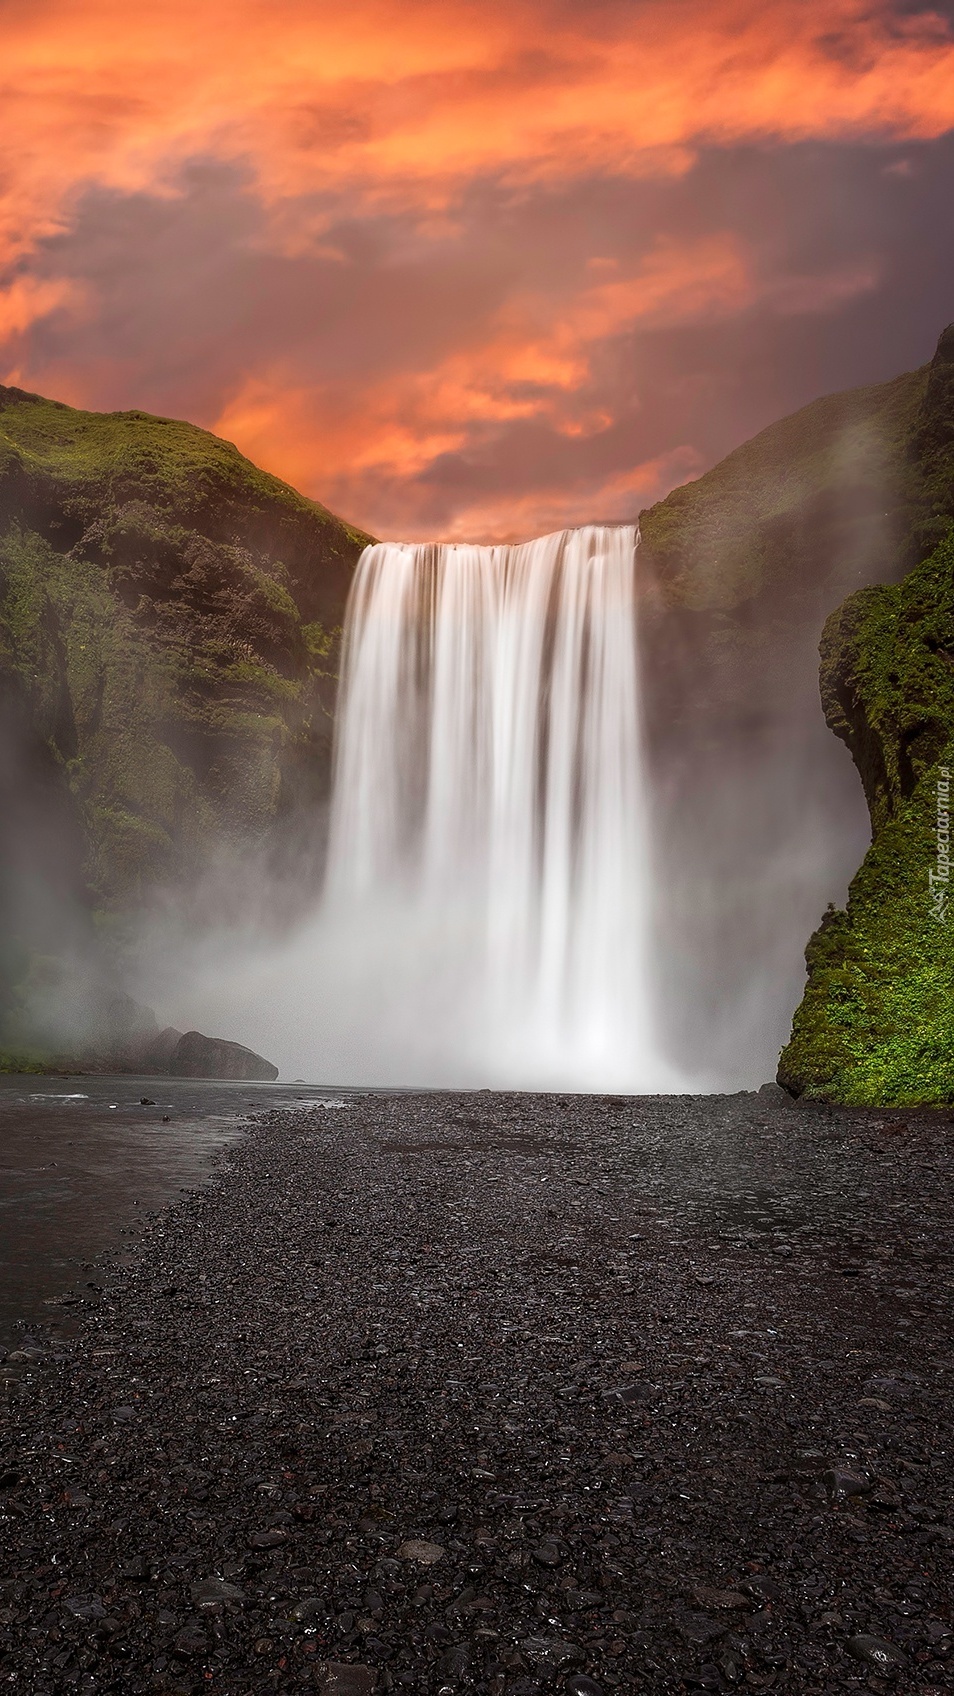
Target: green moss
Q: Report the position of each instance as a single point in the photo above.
(876, 1024)
(169, 614)
(828, 490)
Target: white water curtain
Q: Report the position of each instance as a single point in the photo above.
(490, 811)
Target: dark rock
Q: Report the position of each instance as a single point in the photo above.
(214, 1593)
(550, 1652)
(135, 1570)
(700, 1629)
(191, 1640)
(311, 1607)
(720, 1599)
(774, 1094)
(579, 1685)
(840, 1481)
(198, 1056)
(762, 1587)
(441, 1342)
(85, 1607)
(876, 1653)
(418, 1549)
(270, 1539)
(159, 1052)
(338, 1678)
(628, 1394)
(458, 1661)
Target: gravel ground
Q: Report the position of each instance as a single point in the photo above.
(504, 1393)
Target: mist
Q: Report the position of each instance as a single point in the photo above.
(754, 818)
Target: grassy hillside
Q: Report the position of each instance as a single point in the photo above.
(168, 624)
(820, 497)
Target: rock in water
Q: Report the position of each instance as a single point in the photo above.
(198, 1056)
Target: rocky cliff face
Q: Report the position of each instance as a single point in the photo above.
(876, 1023)
(761, 820)
(169, 617)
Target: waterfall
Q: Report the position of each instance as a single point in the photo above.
(489, 851)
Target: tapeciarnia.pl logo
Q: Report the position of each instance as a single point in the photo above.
(939, 876)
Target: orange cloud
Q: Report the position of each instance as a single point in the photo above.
(615, 498)
(25, 300)
(333, 111)
(533, 362)
(410, 99)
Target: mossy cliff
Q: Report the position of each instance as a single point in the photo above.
(744, 564)
(876, 1024)
(759, 811)
(168, 623)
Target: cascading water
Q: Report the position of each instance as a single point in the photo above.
(489, 855)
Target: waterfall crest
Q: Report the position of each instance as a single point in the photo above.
(490, 811)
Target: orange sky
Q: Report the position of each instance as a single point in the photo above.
(441, 264)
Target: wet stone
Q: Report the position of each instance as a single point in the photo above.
(762, 1588)
(135, 1571)
(551, 1652)
(85, 1607)
(418, 1549)
(700, 1629)
(876, 1653)
(719, 1599)
(458, 1661)
(841, 1481)
(338, 1678)
(191, 1640)
(579, 1685)
(214, 1593)
(628, 1395)
(270, 1539)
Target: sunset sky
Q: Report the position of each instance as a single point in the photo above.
(473, 270)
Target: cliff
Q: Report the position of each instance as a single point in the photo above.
(876, 1023)
(169, 616)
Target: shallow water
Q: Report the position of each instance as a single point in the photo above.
(83, 1159)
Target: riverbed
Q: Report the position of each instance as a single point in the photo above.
(507, 1394)
(84, 1159)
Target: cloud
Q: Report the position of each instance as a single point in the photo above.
(450, 264)
(24, 300)
(534, 361)
(406, 101)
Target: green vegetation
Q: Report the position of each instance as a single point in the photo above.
(877, 1020)
(821, 496)
(169, 624)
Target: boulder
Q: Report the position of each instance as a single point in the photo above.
(198, 1056)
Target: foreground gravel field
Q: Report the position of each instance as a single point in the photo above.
(504, 1393)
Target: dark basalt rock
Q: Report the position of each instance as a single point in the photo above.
(198, 1056)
